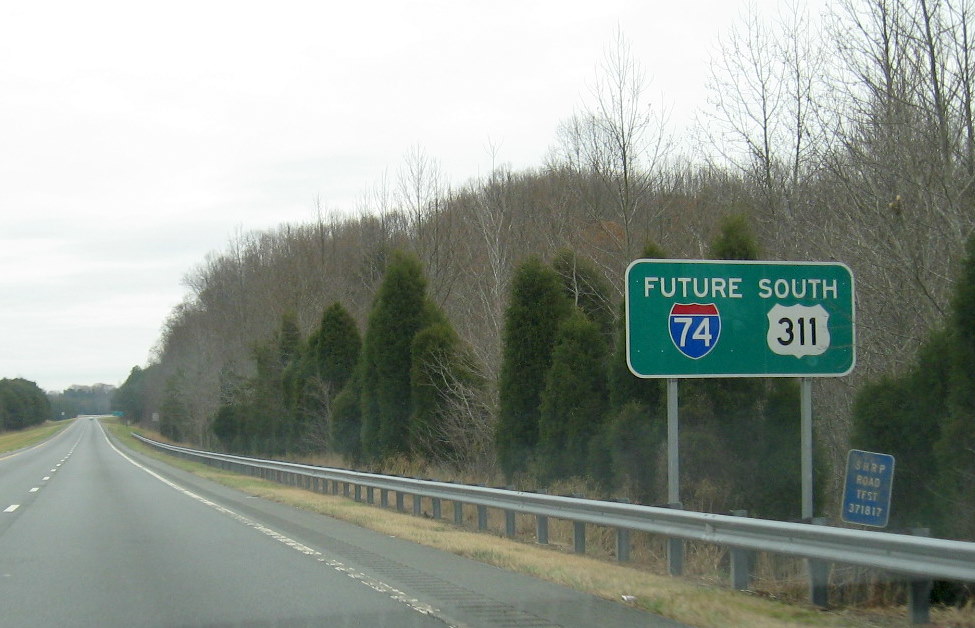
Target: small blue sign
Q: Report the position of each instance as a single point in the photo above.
(869, 479)
(694, 328)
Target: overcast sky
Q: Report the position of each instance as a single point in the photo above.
(137, 137)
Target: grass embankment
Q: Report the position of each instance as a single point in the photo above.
(695, 602)
(12, 441)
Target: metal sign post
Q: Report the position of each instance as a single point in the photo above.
(673, 461)
(675, 547)
(806, 438)
(706, 318)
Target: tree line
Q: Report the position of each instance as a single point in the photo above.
(850, 137)
(22, 404)
(567, 406)
(80, 399)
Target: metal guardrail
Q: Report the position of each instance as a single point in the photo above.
(918, 558)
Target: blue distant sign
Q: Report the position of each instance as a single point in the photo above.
(869, 478)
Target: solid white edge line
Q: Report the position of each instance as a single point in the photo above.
(362, 578)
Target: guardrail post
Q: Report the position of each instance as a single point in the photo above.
(335, 487)
(622, 545)
(818, 575)
(345, 489)
(509, 523)
(741, 562)
(919, 591)
(417, 505)
(541, 529)
(459, 513)
(481, 517)
(579, 537)
(675, 549)
(370, 495)
(400, 506)
(435, 506)
(384, 498)
(358, 493)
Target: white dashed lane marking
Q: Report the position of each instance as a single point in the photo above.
(13, 507)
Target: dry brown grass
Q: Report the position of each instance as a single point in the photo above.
(12, 441)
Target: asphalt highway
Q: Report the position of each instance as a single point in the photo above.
(94, 534)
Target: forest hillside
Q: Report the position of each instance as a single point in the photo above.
(399, 328)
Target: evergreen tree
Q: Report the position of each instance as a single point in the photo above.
(336, 347)
(635, 429)
(574, 400)
(774, 477)
(535, 308)
(228, 426)
(399, 311)
(894, 415)
(326, 364)
(129, 398)
(22, 404)
(345, 427)
(956, 446)
(275, 386)
(635, 439)
(735, 240)
(624, 386)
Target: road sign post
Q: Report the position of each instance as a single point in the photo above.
(706, 319)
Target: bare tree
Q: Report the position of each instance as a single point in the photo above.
(764, 116)
(423, 198)
(901, 159)
(615, 151)
(468, 417)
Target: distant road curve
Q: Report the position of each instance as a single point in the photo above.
(92, 534)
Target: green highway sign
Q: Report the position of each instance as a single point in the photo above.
(702, 318)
